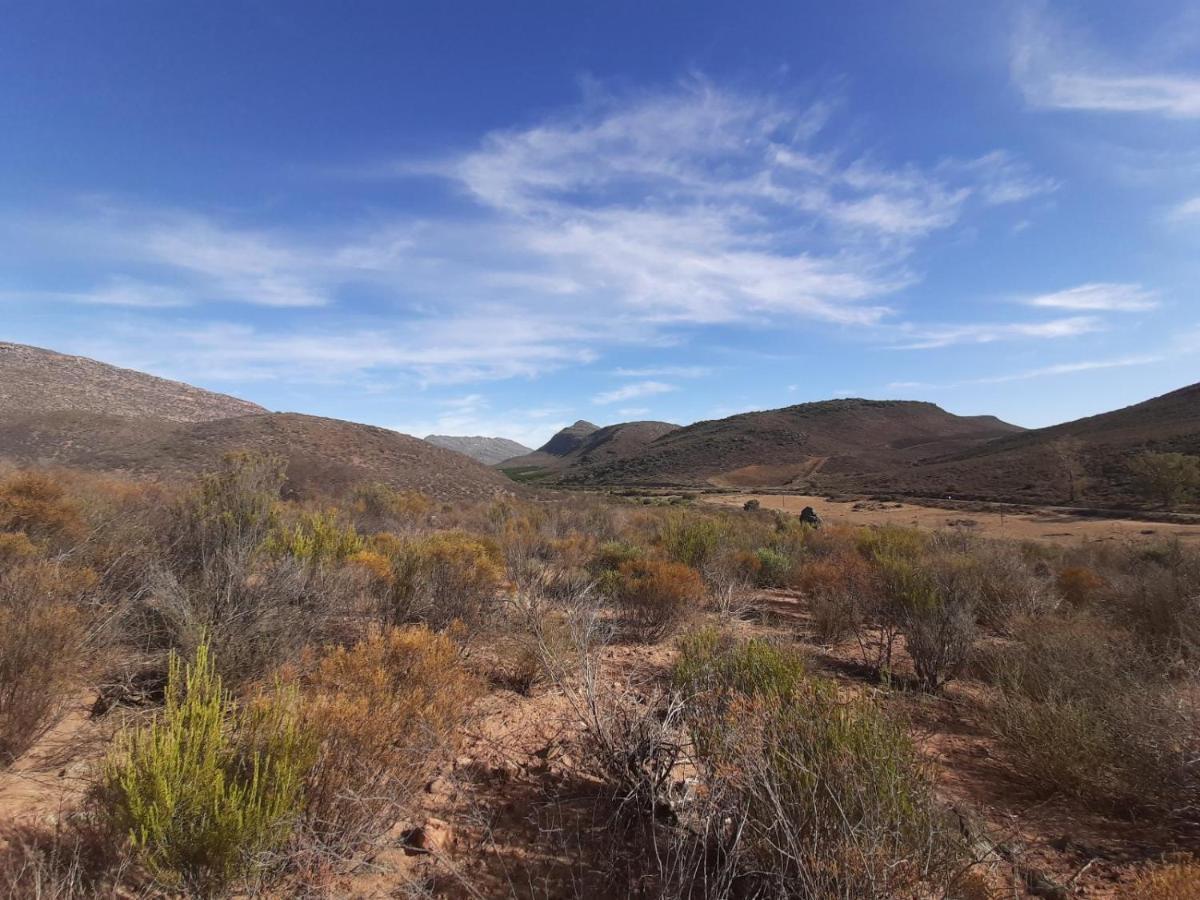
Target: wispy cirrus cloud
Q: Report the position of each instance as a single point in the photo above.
(927, 337)
(1057, 70)
(621, 221)
(630, 391)
(1067, 368)
(1098, 296)
(665, 372)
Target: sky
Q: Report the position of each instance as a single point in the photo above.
(498, 218)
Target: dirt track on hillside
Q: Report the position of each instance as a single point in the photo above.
(1048, 525)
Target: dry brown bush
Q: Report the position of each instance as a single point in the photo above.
(1080, 586)
(1177, 879)
(37, 504)
(658, 597)
(1083, 712)
(42, 641)
(383, 713)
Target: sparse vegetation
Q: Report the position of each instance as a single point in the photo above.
(1166, 478)
(297, 686)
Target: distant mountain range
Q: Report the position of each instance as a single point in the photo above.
(487, 450)
(874, 446)
(68, 410)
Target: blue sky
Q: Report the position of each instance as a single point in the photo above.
(497, 218)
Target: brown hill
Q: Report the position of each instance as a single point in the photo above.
(32, 379)
(1032, 466)
(71, 411)
(324, 456)
(783, 447)
(583, 445)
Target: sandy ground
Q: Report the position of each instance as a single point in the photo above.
(1049, 525)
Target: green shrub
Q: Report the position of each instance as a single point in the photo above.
(691, 539)
(774, 567)
(316, 538)
(206, 787)
(829, 796)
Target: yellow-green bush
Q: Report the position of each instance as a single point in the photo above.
(691, 539)
(207, 787)
(316, 538)
(440, 578)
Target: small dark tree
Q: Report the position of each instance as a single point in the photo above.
(1166, 477)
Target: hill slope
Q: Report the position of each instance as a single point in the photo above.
(584, 445)
(36, 380)
(72, 411)
(782, 447)
(487, 450)
(1032, 465)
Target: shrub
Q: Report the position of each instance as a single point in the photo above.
(441, 578)
(381, 713)
(1178, 879)
(316, 539)
(15, 546)
(611, 554)
(1082, 713)
(42, 637)
(229, 515)
(377, 507)
(34, 503)
(774, 568)
(892, 541)
(806, 794)
(939, 620)
(658, 596)
(255, 613)
(206, 788)
(1079, 586)
(751, 505)
(691, 539)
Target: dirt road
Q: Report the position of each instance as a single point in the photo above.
(1048, 525)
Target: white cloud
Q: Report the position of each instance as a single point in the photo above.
(637, 389)
(932, 336)
(1187, 210)
(1100, 297)
(665, 372)
(619, 222)
(1055, 70)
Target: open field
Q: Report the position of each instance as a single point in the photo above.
(1050, 524)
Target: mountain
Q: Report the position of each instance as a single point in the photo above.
(788, 447)
(32, 379)
(487, 450)
(584, 445)
(1032, 466)
(71, 411)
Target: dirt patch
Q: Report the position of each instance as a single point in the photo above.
(1045, 525)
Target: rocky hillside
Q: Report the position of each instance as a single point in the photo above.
(36, 380)
(487, 450)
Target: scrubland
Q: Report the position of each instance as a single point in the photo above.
(208, 690)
